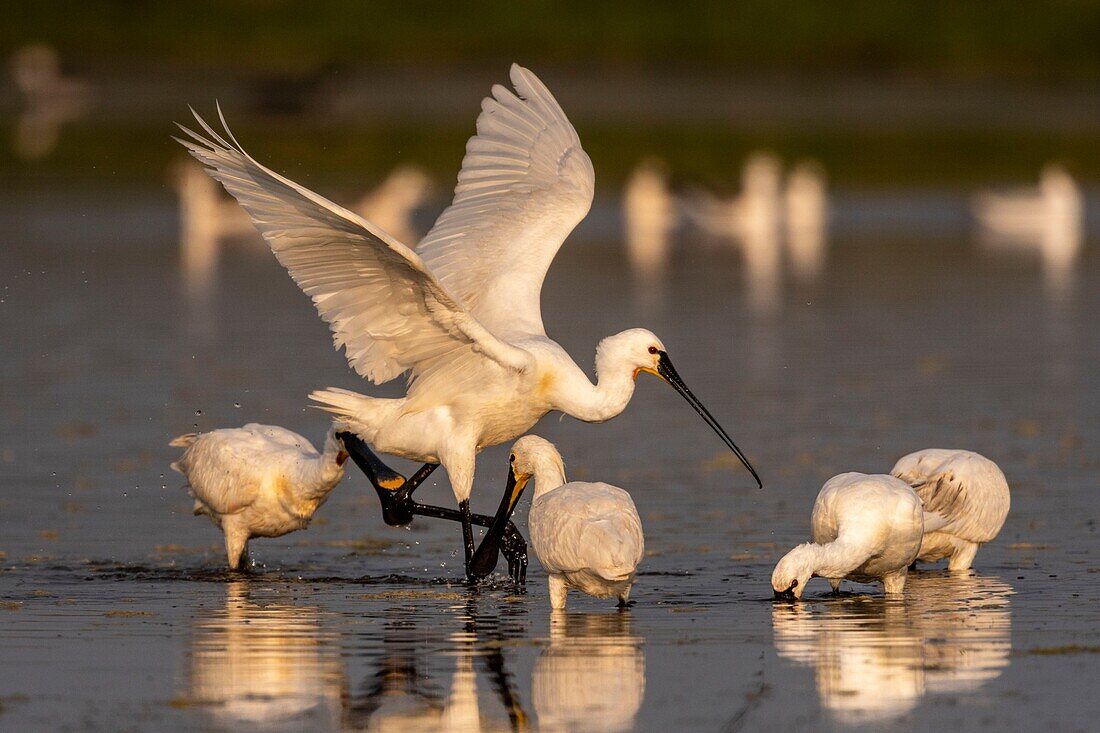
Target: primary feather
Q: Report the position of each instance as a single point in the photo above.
(384, 306)
(525, 183)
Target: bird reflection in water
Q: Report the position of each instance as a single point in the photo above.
(874, 659)
(402, 696)
(270, 665)
(591, 676)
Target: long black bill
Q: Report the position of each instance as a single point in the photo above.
(485, 557)
(666, 371)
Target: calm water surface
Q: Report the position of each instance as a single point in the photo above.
(116, 614)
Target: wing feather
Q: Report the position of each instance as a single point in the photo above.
(385, 308)
(525, 183)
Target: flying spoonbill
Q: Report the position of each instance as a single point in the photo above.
(587, 536)
(461, 314)
(966, 501)
(258, 480)
(864, 527)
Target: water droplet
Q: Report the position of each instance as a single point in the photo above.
(237, 405)
(198, 412)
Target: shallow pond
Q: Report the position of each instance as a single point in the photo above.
(116, 613)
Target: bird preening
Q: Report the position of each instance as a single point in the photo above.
(258, 480)
(460, 314)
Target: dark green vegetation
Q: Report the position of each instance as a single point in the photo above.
(1025, 39)
(883, 93)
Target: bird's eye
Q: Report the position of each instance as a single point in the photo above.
(794, 583)
(512, 458)
(653, 349)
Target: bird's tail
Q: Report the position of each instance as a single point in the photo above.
(184, 441)
(362, 414)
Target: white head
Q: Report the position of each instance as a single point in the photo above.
(793, 571)
(535, 457)
(631, 351)
(334, 447)
(637, 350)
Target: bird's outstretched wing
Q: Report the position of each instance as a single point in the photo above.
(525, 183)
(384, 306)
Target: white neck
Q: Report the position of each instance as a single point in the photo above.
(324, 472)
(549, 474)
(835, 559)
(601, 401)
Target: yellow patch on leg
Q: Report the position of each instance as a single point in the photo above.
(391, 484)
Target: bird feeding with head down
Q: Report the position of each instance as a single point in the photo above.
(258, 480)
(587, 535)
(865, 528)
(966, 502)
(461, 314)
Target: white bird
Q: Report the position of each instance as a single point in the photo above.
(752, 219)
(392, 204)
(1048, 219)
(807, 212)
(649, 214)
(205, 219)
(52, 99)
(588, 536)
(258, 480)
(966, 500)
(864, 527)
(462, 312)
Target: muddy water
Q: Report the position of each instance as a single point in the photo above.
(115, 613)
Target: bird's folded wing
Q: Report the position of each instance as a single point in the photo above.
(383, 305)
(525, 183)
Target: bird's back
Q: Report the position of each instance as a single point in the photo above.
(965, 493)
(226, 469)
(871, 509)
(591, 527)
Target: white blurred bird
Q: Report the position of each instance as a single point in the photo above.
(966, 500)
(752, 219)
(807, 215)
(588, 536)
(462, 313)
(1048, 218)
(52, 99)
(864, 527)
(649, 215)
(392, 204)
(258, 480)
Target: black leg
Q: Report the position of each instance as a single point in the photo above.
(394, 490)
(467, 537)
(398, 508)
(484, 560)
(494, 662)
(512, 544)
